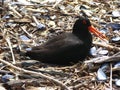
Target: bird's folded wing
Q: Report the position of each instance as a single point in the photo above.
(59, 43)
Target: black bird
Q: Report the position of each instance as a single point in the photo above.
(69, 47)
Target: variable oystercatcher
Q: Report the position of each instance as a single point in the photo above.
(69, 47)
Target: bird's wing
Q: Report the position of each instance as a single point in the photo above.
(52, 43)
(59, 43)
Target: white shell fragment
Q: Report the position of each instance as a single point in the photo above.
(40, 26)
(117, 82)
(104, 66)
(24, 38)
(101, 75)
(24, 2)
(28, 49)
(53, 17)
(93, 51)
(6, 17)
(103, 52)
(117, 65)
(7, 77)
(115, 39)
(116, 13)
(104, 31)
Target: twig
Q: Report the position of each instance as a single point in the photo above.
(56, 3)
(16, 12)
(107, 46)
(95, 24)
(110, 76)
(10, 46)
(1, 8)
(86, 78)
(117, 54)
(109, 59)
(104, 59)
(113, 58)
(30, 35)
(96, 59)
(76, 87)
(39, 25)
(16, 83)
(36, 73)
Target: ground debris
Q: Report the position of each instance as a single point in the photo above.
(27, 23)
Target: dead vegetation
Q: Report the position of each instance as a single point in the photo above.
(29, 23)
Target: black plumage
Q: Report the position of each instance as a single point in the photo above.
(65, 48)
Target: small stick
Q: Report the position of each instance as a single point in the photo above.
(10, 46)
(104, 59)
(56, 3)
(13, 9)
(30, 35)
(110, 76)
(39, 25)
(107, 46)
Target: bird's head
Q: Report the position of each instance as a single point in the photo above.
(83, 25)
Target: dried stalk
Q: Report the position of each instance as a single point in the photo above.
(16, 12)
(110, 76)
(10, 46)
(104, 59)
(30, 35)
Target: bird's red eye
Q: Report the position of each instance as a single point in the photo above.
(84, 22)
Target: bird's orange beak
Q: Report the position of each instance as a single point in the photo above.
(97, 33)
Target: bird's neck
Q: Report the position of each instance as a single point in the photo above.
(84, 35)
(81, 32)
